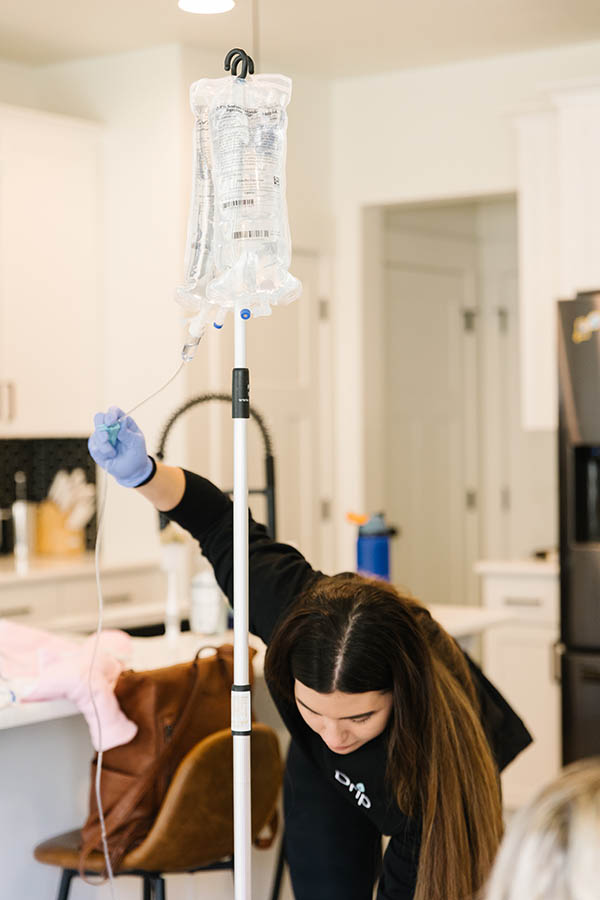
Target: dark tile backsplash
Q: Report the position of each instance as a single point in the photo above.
(40, 459)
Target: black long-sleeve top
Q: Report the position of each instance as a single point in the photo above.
(278, 575)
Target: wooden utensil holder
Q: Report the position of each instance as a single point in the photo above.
(53, 537)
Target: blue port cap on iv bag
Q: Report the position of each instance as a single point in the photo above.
(246, 314)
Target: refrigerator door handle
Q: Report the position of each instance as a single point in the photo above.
(557, 651)
(590, 674)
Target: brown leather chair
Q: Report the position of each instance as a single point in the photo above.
(193, 830)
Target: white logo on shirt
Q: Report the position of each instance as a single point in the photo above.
(358, 790)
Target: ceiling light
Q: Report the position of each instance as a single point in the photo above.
(206, 6)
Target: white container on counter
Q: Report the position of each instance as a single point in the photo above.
(208, 606)
(23, 515)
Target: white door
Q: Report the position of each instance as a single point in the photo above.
(518, 468)
(431, 418)
(290, 385)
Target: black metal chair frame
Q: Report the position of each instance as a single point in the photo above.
(154, 887)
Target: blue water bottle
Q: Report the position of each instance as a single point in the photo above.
(373, 546)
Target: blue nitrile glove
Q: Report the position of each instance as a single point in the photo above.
(118, 445)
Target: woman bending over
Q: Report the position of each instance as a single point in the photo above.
(394, 731)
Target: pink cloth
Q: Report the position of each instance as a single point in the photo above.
(60, 669)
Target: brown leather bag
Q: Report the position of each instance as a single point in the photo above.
(174, 708)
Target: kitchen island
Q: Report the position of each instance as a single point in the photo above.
(45, 752)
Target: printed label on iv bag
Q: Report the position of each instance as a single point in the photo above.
(248, 146)
(241, 711)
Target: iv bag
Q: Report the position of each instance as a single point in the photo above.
(198, 260)
(250, 240)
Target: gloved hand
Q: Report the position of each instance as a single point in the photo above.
(127, 460)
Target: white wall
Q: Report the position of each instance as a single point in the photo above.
(426, 134)
(310, 165)
(18, 84)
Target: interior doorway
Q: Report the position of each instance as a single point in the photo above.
(446, 456)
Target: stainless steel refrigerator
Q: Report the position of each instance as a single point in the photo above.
(579, 485)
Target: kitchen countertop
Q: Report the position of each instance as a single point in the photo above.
(132, 615)
(48, 568)
(147, 653)
(468, 621)
(531, 566)
(459, 621)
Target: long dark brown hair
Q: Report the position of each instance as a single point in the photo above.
(352, 634)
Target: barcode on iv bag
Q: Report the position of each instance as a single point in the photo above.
(246, 202)
(259, 233)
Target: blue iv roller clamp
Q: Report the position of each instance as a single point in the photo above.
(113, 431)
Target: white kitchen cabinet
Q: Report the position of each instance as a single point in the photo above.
(50, 258)
(518, 658)
(559, 231)
(26, 603)
(62, 596)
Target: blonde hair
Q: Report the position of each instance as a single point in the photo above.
(551, 850)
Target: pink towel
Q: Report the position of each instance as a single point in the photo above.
(60, 669)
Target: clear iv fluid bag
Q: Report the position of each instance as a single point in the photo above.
(252, 248)
(239, 247)
(202, 209)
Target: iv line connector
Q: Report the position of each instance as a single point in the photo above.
(189, 349)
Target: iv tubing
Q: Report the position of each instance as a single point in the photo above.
(99, 631)
(93, 659)
(160, 390)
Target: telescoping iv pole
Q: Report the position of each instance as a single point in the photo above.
(239, 255)
(241, 700)
(241, 721)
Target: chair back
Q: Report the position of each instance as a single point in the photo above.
(194, 826)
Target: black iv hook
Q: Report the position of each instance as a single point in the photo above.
(233, 60)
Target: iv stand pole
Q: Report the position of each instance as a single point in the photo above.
(241, 717)
(241, 722)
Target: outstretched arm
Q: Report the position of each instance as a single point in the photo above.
(166, 487)
(278, 572)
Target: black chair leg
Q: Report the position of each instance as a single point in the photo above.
(279, 870)
(65, 883)
(159, 888)
(147, 894)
